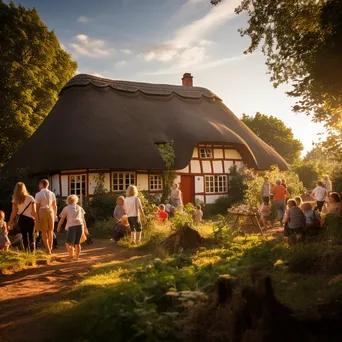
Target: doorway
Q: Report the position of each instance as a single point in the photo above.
(188, 189)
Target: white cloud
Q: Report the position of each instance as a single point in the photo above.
(86, 46)
(120, 63)
(82, 19)
(189, 45)
(126, 51)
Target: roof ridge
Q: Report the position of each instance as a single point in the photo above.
(146, 88)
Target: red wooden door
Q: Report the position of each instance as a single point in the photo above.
(187, 187)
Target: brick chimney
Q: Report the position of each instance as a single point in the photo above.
(187, 80)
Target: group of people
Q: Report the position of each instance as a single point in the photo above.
(31, 216)
(293, 213)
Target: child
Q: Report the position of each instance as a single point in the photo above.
(172, 211)
(162, 214)
(4, 240)
(155, 213)
(312, 217)
(265, 211)
(75, 226)
(198, 214)
(121, 228)
(119, 210)
(167, 208)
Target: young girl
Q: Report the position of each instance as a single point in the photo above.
(75, 226)
(4, 240)
(312, 217)
(265, 211)
(162, 214)
(155, 213)
(198, 214)
(119, 210)
(121, 228)
(134, 209)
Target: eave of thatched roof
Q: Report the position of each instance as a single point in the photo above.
(101, 123)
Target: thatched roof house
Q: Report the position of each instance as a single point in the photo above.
(114, 126)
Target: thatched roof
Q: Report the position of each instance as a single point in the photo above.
(101, 123)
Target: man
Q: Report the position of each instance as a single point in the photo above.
(266, 190)
(47, 211)
(279, 195)
(319, 194)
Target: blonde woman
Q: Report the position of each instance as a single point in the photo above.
(176, 196)
(134, 209)
(75, 226)
(24, 205)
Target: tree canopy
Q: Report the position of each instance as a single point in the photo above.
(302, 40)
(33, 69)
(275, 133)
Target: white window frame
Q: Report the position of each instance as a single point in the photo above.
(128, 178)
(83, 190)
(216, 184)
(155, 183)
(206, 153)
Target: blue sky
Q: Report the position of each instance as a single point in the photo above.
(159, 40)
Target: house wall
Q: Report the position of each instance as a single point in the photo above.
(217, 162)
(55, 185)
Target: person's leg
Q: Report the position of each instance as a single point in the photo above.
(77, 251)
(6, 248)
(131, 222)
(50, 238)
(320, 205)
(281, 211)
(30, 233)
(138, 229)
(23, 231)
(45, 239)
(50, 230)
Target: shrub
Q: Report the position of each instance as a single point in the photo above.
(222, 204)
(183, 217)
(304, 258)
(102, 228)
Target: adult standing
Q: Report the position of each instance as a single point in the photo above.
(319, 194)
(335, 207)
(47, 211)
(134, 209)
(327, 184)
(176, 196)
(279, 195)
(266, 190)
(24, 205)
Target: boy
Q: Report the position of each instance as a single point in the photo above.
(162, 214)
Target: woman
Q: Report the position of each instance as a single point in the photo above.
(176, 196)
(134, 209)
(24, 205)
(76, 226)
(279, 196)
(335, 206)
(295, 219)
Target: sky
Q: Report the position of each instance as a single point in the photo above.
(158, 41)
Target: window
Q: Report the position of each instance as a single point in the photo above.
(156, 182)
(121, 180)
(216, 184)
(206, 153)
(78, 185)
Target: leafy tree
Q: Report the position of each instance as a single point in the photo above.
(33, 69)
(302, 41)
(274, 132)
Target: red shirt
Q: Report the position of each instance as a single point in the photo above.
(163, 216)
(279, 193)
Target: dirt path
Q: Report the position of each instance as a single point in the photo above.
(21, 291)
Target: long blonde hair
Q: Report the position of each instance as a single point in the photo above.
(19, 193)
(131, 191)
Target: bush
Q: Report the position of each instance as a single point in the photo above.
(102, 228)
(222, 204)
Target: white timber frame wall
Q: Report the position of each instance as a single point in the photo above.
(209, 166)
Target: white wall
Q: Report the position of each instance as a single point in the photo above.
(142, 182)
(212, 198)
(195, 153)
(227, 165)
(218, 153)
(199, 184)
(217, 165)
(232, 154)
(195, 166)
(185, 170)
(55, 184)
(65, 186)
(206, 166)
(199, 198)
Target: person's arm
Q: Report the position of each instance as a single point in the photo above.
(54, 207)
(13, 213)
(34, 211)
(60, 223)
(5, 228)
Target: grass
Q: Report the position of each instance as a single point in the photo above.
(17, 260)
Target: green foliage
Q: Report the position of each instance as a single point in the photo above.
(33, 69)
(183, 217)
(274, 132)
(168, 155)
(301, 40)
(308, 173)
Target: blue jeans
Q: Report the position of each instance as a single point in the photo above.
(280, 207)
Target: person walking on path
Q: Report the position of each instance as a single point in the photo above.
(319, 194)
(279, 195)
(76, 226)
(47, 211)
(266, 190)
(176, 196)
(134, 209)
(24, 205)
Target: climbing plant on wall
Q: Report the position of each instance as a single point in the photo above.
(168, 155)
